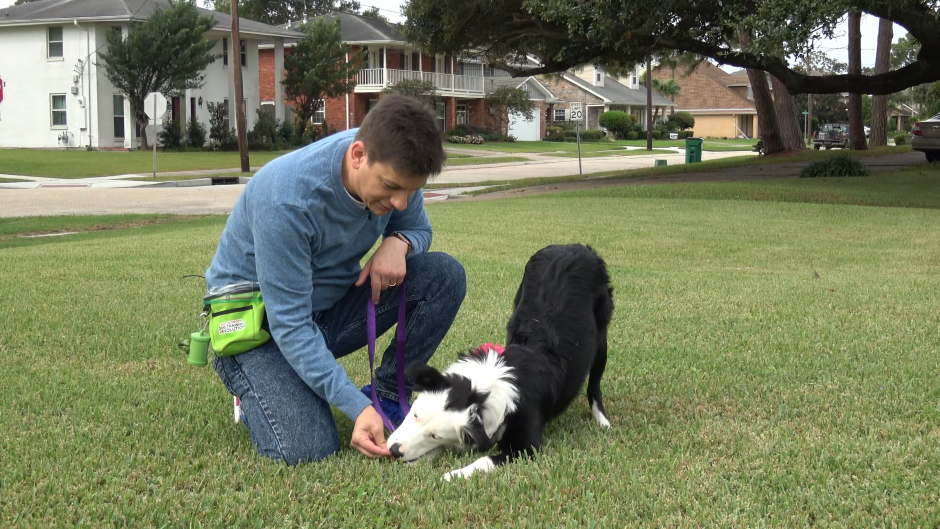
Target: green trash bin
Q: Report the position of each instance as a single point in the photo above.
(693, 150)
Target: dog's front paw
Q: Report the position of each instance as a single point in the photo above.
(484, 464)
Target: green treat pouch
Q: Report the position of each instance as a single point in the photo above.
(236, 313)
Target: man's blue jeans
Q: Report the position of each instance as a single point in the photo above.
(287, 420)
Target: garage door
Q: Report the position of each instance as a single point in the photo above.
(524, 130)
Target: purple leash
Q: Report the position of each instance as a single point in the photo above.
(399, 357)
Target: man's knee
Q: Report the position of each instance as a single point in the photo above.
(448, 273)
(311, 450)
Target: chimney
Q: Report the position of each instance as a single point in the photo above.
(598, 76)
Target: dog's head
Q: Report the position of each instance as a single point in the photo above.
(458, 409)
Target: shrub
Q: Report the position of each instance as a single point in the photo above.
(842, 165)
(195, 133)
(264, 135)
(617, 122)
(171, 135)
(287, 132)
(466, 140)
(592, 135)
(217, 118)
(657, 134)
(900, 139)
(632, 135)
(683, 119)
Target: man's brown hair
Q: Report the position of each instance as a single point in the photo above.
(403, 133)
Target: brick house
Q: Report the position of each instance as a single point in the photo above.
(389, 59)
(599, 93)
(517, 125)
(721, 103)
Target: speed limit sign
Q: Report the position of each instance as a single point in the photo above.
(576, 113)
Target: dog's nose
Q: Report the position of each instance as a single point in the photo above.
(395, 449)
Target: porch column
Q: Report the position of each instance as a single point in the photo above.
(278, 77)
(450, 121)
(479, 112)
(130, 125)
(384, 66)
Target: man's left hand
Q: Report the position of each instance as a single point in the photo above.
(386, 266)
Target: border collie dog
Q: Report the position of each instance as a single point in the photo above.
(556, 339)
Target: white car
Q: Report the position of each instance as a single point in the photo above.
(867, 131)
(926, 138)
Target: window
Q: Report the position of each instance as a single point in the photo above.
(634, 80)
(750, 92)
(58, 111)
(462, 114)
(320, 115)
(118, 116)
(559, 114)
(117, 31)
(55, 42)
(597, 77)
(243, 48)
(224, 52)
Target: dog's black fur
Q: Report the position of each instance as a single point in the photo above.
(556, 339)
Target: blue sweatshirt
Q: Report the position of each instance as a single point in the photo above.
(297, 231)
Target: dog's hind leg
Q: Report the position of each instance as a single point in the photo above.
(594, 385)
(603, 311)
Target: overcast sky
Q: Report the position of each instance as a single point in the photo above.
(835, 48)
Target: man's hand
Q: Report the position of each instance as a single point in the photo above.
(386, 266)
(369, 434)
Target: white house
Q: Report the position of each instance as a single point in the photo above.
(56, 93)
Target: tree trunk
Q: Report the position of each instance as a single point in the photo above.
(788, 124)
(766, 113)
(879, 104)
(856, 123)
(143, 121)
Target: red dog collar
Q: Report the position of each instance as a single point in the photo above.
(490, 345)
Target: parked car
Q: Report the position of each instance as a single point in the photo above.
(926, 138)
(867, 131)
(831, 135)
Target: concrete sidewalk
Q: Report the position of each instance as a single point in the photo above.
(537, 165)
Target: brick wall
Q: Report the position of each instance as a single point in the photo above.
(266, 74)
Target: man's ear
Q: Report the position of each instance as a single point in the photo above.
(426, 378)
(475, 435)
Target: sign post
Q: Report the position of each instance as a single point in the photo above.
(806, 126)
(577, 115)
(152, 102)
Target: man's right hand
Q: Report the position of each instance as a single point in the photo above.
(369, 434)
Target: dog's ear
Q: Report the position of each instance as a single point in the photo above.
(426, 378)
(475, 435)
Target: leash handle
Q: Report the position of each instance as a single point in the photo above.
(399, 357)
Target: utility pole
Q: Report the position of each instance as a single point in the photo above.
(239, 98)
(649, 103)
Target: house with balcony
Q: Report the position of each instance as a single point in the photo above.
(56, 93)
(389, 59)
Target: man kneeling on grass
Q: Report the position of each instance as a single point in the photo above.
(300, 229)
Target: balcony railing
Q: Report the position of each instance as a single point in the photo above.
(444, 82)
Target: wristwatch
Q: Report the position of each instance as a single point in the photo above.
(399, 235)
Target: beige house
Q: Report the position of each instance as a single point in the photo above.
(721, 103)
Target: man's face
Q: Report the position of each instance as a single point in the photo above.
(379, 185)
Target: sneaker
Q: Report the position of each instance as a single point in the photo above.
(391, 408)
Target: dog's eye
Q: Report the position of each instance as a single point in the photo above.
(435, 436)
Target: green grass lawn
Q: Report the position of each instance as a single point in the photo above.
(82, 164)
(11, 180)
(598, 154)
(772, 363)
(481, 160)
(176, 178)
(550, 146)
